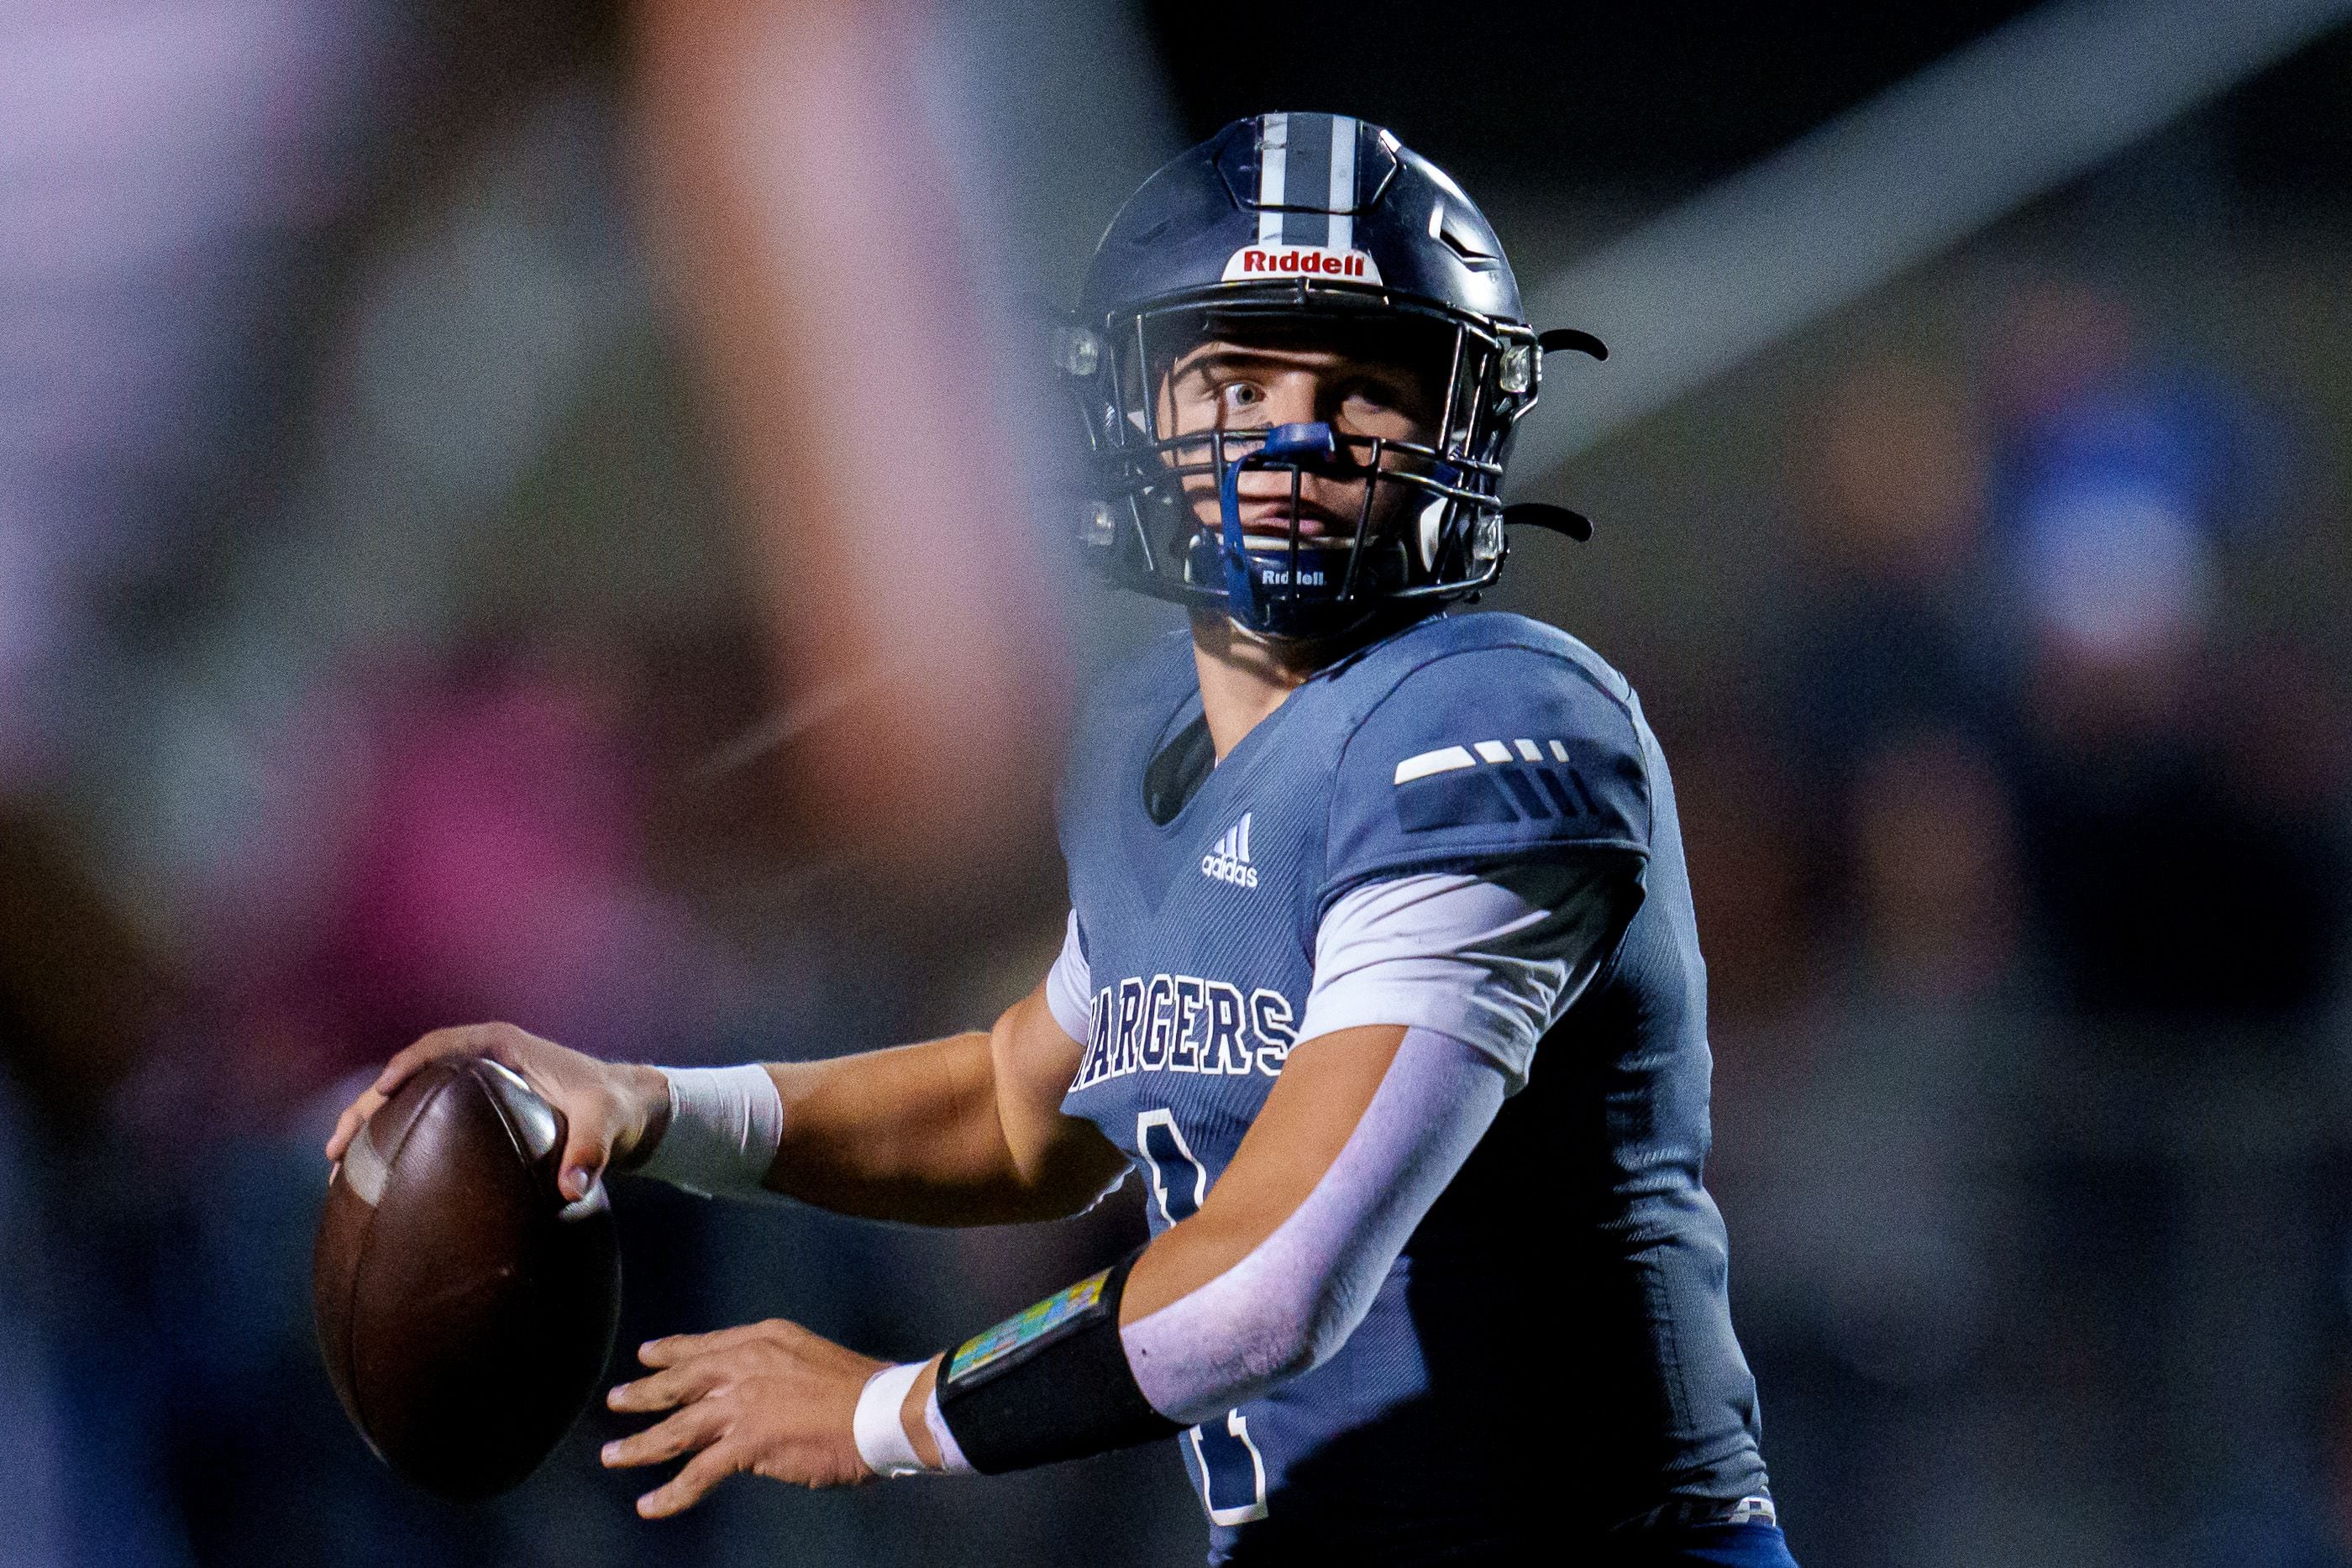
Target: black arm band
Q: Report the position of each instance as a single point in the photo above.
(1049, 1384)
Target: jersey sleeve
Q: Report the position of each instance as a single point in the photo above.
(1489, 758)
(1492, 961)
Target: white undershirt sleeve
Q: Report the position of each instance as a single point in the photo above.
(1298, 1295)
(1069, 985)
(1492, 961)
(1477, 969)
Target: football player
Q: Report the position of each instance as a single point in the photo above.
(1381, 971)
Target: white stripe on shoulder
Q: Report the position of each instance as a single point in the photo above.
(1444, 759)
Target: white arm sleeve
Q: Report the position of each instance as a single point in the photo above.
(1478, 970)
(1299, 1293)
(1492, 961)
(1069, 986)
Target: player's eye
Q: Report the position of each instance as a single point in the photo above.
(1240, 397)
(1368, 403)
(1379, 394)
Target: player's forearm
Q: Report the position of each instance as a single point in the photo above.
(1267, 1280)
(910, 1134)
(966, 1129)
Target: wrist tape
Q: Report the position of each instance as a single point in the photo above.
(882, 1441)
(1049, 1384)
(725, 1125)
(881, 1429)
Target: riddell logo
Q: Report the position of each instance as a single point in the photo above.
(1230, 861)
(1256, 262)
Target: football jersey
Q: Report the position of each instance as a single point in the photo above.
(1552, 1353)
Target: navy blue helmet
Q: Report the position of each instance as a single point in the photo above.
(1310, 228)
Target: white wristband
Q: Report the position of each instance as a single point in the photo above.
(725, 1124)
(882, 1441)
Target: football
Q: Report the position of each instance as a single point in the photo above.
(465, 1310)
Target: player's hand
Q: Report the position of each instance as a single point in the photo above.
(608, 1108)
(771, 1398)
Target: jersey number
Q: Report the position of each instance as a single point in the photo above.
(1232, 1474)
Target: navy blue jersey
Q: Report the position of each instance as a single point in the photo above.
(1552, 1354)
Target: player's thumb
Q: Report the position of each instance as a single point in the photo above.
(584, 1157)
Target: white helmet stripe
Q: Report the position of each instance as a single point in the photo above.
(1273, 169)
(1343, 183)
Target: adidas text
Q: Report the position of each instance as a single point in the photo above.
(1224, 868)
(1230, 860)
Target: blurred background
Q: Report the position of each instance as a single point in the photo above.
(555, 513)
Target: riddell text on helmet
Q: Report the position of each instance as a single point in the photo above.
(1262, 261)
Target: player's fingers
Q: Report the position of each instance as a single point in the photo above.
(405, 1061)
(672, 1349)
(498, 1043)
(664, 1389)
(695, 1427)
(405, 1065)
(412, 1059)
(469, 1039)
(348, 1124)
(690, 1485)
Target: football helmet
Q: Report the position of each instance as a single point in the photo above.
(1308, 228)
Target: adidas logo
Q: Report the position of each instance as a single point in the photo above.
(1230, 861)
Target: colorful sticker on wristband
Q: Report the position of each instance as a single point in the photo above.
(1025, 1329)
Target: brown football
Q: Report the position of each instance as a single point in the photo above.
(466, 1311)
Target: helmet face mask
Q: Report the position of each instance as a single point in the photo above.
(1427, 525)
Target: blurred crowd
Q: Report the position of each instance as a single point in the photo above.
(470, 548)
(2020, 841)
(507, 515)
